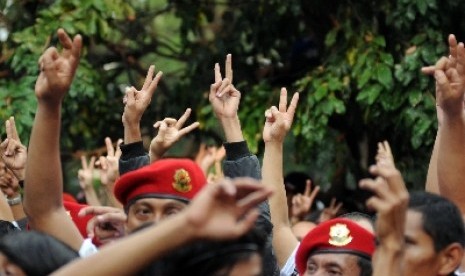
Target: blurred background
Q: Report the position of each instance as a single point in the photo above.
(356, 63)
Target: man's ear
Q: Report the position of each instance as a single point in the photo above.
(450, 258)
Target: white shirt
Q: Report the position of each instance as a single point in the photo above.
(289, 268)
(87, 248)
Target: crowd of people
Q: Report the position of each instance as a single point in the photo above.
(224, 212)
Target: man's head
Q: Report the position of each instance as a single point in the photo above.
(241, 256)
(434, 236)
(336, 245)
(159, 190)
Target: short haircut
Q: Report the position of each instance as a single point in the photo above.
(357, 216)
(36, 253)
(365, 266)
(442, 220)
(209, 257)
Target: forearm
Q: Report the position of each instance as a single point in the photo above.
(387, 262)
(43, 192)
(432, 184)
(5, 210)
(272, 174)
(18, 211)
(43, 202)
(91, 196)
(232, 129)
(284, 241)
(451, 163)
(144, 247)
(109, 189)
(132, 133)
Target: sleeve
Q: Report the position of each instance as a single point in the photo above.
(240, 162)
(133, 157)
(87, 248)
(289, 269)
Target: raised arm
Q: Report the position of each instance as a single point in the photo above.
(240, 162)
(390, 201)
(450, 90)
(109, 170)
(86, 180)
(44, 184)
(277, 125)
(136, 102)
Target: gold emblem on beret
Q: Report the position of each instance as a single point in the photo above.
(182, 181)
(339, 235)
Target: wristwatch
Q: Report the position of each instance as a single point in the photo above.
(14, 201)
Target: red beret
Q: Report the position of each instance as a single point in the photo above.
(81, 222)
(69, 197)
(166, 178)
(335, 236)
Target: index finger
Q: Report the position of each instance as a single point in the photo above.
(65, 40)
(118, 148)
(387, 148)
(461, 61)
(183, 118)
(452, 49)
(154, 83)
(149, 77)
(217, 73)
(97, 210)
(14, 132)
(110, 149)
(92, 163)
(308, 186)
(293, 105)
(283, 100)
(229, 71)
(84, 161)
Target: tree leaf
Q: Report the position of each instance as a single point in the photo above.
(384, 75)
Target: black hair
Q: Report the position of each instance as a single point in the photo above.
(295, 182)
(36, 253)
(209, 258)
(357, 216)
(442, 220)
(7, 227)
(365, 266)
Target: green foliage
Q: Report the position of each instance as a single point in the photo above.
(355, 63)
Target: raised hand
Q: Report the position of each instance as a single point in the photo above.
(331, 211)
(384, 153)
(450, 80)
(226, 209)
(301, 203)
(107, 223)
(279, 120)
(213, 155)
(109, 164)
(8, 183)
(86, 173)
(137, 101)
(224, 97)
(390, 201)
(169, 132)
(14, 153)
(57, 69)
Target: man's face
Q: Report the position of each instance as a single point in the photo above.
(332, 264)
(146, 210)
(420, 257)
